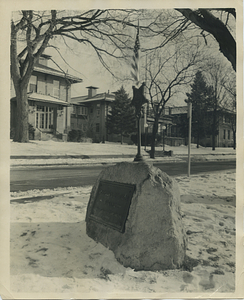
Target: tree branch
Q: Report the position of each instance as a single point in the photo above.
(208, 22)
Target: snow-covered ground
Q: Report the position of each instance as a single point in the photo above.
(45, 153)
(61, 148)
(51, 253)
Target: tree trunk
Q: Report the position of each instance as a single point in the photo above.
(198, 140)
(214, 128)
(208, 22)
(154, 133)
(121, 138)
(21, 134)
(234, 139)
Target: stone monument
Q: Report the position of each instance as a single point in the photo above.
(134, 210)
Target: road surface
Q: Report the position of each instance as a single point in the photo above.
(29, 178)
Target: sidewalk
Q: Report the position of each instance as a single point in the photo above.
(61, 153)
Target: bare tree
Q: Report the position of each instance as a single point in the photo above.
(89, 127)
(219, 29)
(167, 72)
(230, 87)
(215, 73)
(102, 30)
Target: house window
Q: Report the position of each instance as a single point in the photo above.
(56, 88)
(97, 127)
(228, 134)
(91, 111)
(74, 109)
(98, 109)
(224, 135)
(33, 84)
(109, 109)
(82, 110)
(44, 117)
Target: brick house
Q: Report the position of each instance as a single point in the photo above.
(226, 123)
(89, 113)
(49, 95)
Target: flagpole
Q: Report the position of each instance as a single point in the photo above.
(145, 111)
(138, 93)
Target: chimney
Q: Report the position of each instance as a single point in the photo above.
(43, 59)
(91, 91)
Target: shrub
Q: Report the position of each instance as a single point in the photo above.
(146, 139)
(31, 132)
(75, 135)
(12, 131)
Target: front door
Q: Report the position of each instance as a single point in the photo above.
(44, 117)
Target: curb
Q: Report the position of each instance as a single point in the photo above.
(92, 163)
(105, 156)
(74, 156)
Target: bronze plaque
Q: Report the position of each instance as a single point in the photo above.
(112, 203)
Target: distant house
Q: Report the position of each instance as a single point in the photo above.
(49, 96)
(148, 119)
(89, 113)
(226, 123)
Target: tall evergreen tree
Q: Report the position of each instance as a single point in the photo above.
(200, 97)
(121, 119)
(183, 125)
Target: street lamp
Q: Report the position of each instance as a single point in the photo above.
(146, 130)
(138, 100)
(189, 116)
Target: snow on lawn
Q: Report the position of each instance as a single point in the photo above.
(92, 161)
(50, 251)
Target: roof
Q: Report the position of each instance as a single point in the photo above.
(47, 70)
(163, 119)
(45, 98)
(85, 99)
(92, 87)
(178, 110)
(175, 110)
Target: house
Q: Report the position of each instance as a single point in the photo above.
(225, 133)
(89, 113)
(49, 95)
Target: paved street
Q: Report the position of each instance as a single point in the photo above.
(36, 177)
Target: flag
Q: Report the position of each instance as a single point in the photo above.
(135, 63)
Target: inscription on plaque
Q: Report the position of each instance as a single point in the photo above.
(112, 203)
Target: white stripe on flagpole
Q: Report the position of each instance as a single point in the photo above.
(135, 63)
